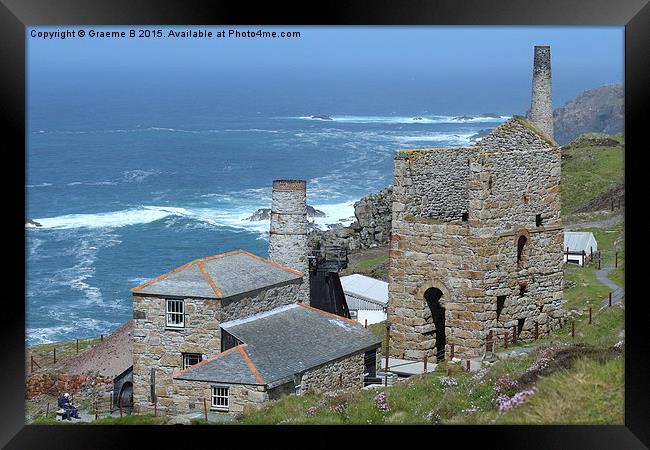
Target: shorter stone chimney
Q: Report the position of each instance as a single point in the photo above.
(288, 234)
(541, 106)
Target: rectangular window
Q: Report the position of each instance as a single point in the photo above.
(189, 359)
(175, 314)
(219, 398)
(538, 220)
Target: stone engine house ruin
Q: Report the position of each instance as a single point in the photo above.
(476, 241)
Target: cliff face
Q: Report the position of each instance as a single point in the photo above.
(370, 230)
(599, 110)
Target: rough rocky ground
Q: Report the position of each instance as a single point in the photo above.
(110, 357)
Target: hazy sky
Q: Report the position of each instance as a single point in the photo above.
(476, 63)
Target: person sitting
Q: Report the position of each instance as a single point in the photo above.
(69, 410)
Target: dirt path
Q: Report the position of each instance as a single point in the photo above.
(595, 224)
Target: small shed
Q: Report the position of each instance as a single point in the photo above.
(367, 298)
(578, 245)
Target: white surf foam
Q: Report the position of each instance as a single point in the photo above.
(406, 119)
(134, 216)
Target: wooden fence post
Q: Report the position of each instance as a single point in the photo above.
(452, 351)
(96, 408)
(365, 325)
(387, 343)
(47, 410)
(616, 260)
(505, 341)
(610, 299)
(514, 334)
(54, 355)
(77, 346)
(536, 330)
(205, 408)
(448, 371)
(590, 315)
(573, 328)
(425, 363)
(101, 337)
(31, 358)
(468, 365)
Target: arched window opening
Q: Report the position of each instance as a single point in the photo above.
(432, 297)
(521, 243)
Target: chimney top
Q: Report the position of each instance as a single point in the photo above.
(289, 185)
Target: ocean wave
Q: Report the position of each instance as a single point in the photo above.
(38, 185)
(407, 120)
(133, 216)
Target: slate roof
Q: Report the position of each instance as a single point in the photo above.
(281, 343)
(362, 292)
(219, 276)
(578, 241)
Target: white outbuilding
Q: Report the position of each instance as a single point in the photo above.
(577, 245)
(367, 298)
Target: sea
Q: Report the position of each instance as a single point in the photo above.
(124, 194)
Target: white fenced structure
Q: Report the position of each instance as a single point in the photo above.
(367, 298)
(579, 245)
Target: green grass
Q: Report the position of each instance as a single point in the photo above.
(590, 393)
(586, 390)
(618, 275)
(144, 419)
(43, 354)
(379, 329)
(588, 290)
(589, 170)
(367, 265)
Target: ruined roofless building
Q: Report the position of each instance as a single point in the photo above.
(288, 231)
(476, 242)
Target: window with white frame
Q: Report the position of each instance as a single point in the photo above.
(219, 397)
(175, 314)
(189, 359)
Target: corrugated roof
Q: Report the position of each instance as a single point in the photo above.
(219, 276)
(578, 241)
(356, 304)
(367, 289)
(283, 342)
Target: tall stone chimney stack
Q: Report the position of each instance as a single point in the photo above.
(288, 235)
(541, 106)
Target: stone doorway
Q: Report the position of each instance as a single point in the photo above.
(433, 296)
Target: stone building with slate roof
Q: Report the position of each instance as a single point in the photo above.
(476, 244)
(232, 329)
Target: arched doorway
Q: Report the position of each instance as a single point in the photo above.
(432, 296)
(126, 395)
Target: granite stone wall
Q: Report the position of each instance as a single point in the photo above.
(188, 397)
(263, 300)
(434, 181)
(510, 177)
(343, 373)
(288, 231)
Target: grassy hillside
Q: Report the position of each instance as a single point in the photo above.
(591, 165)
